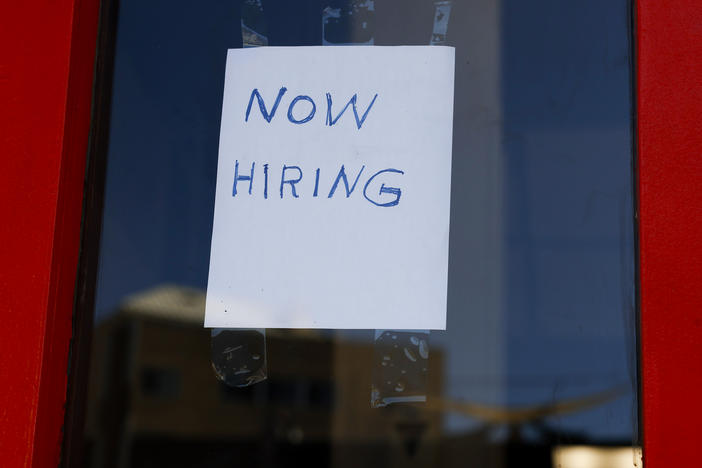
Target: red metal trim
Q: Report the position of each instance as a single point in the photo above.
(669, 72)
(46, 73)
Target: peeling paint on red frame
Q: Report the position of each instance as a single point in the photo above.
(46, 76)
(669, 101)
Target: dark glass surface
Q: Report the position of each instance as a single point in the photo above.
(538, 359)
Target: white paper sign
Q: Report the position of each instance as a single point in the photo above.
(333, 189)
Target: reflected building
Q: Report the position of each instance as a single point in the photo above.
(156, 400)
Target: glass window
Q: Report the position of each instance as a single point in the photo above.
(538, 364)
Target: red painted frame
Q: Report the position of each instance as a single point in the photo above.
(669, 101)
(46, 76)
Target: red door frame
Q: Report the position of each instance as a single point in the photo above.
(669, 103)
(46, 76)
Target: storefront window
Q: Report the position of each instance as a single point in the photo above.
(538, 363)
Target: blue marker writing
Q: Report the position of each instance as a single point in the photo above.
(383, 189)
(309, 116)
(237, 177)
(292, 182)
(342, 176)
(262, 105)
(359, 121)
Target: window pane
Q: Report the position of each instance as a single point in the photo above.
(537, 366)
